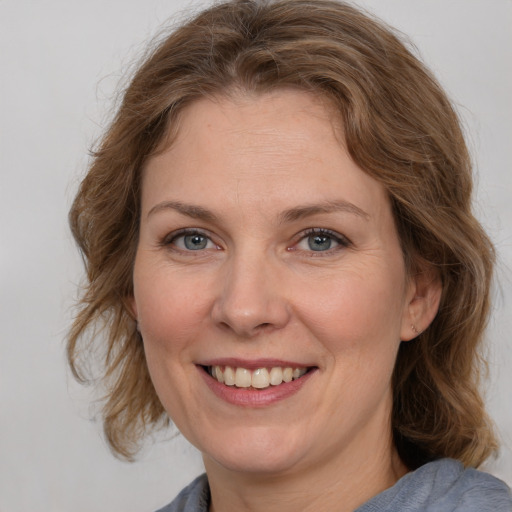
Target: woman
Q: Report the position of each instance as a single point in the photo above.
(279, 243)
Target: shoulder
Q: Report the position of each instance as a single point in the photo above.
(443, 486)
(193, 498)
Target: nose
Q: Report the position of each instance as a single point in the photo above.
(251, 298)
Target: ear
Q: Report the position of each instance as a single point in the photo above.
(422, 302)
(131, 306)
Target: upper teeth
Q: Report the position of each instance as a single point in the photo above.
(259, 378)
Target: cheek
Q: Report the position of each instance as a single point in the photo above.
(356, 320)
(355, 308)
(171, 308)
(171, 312)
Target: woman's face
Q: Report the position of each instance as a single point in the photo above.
(263, 247)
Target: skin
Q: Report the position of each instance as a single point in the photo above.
(245, 171)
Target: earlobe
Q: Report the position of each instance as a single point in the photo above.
(422, 303)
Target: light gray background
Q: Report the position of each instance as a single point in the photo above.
(60, 61)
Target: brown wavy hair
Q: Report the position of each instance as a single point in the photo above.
(399, 127)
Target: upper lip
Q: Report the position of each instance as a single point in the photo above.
(253, 364)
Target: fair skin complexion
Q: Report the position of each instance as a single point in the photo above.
(263, 245)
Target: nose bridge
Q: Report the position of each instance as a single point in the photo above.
(251, 297)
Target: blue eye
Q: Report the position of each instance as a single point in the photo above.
(191, 241)
(195, 242)
(321, 240)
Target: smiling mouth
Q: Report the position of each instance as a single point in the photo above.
(260, 378)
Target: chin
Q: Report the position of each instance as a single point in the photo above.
(259, 451)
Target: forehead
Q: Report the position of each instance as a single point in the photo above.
(261, 148)
(240, 112)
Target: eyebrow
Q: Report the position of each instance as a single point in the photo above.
(301, 212)
(291, 215)
(190, 210)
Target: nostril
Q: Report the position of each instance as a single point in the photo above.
(249, 314)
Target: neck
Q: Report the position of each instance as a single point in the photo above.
(336, 484)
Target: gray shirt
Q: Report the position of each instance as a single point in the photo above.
(440, 486)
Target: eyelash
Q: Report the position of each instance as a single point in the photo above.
(170, 240)
(342, 241)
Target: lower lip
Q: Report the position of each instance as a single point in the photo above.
(250, 397)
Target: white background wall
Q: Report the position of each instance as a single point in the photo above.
(59, 63)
